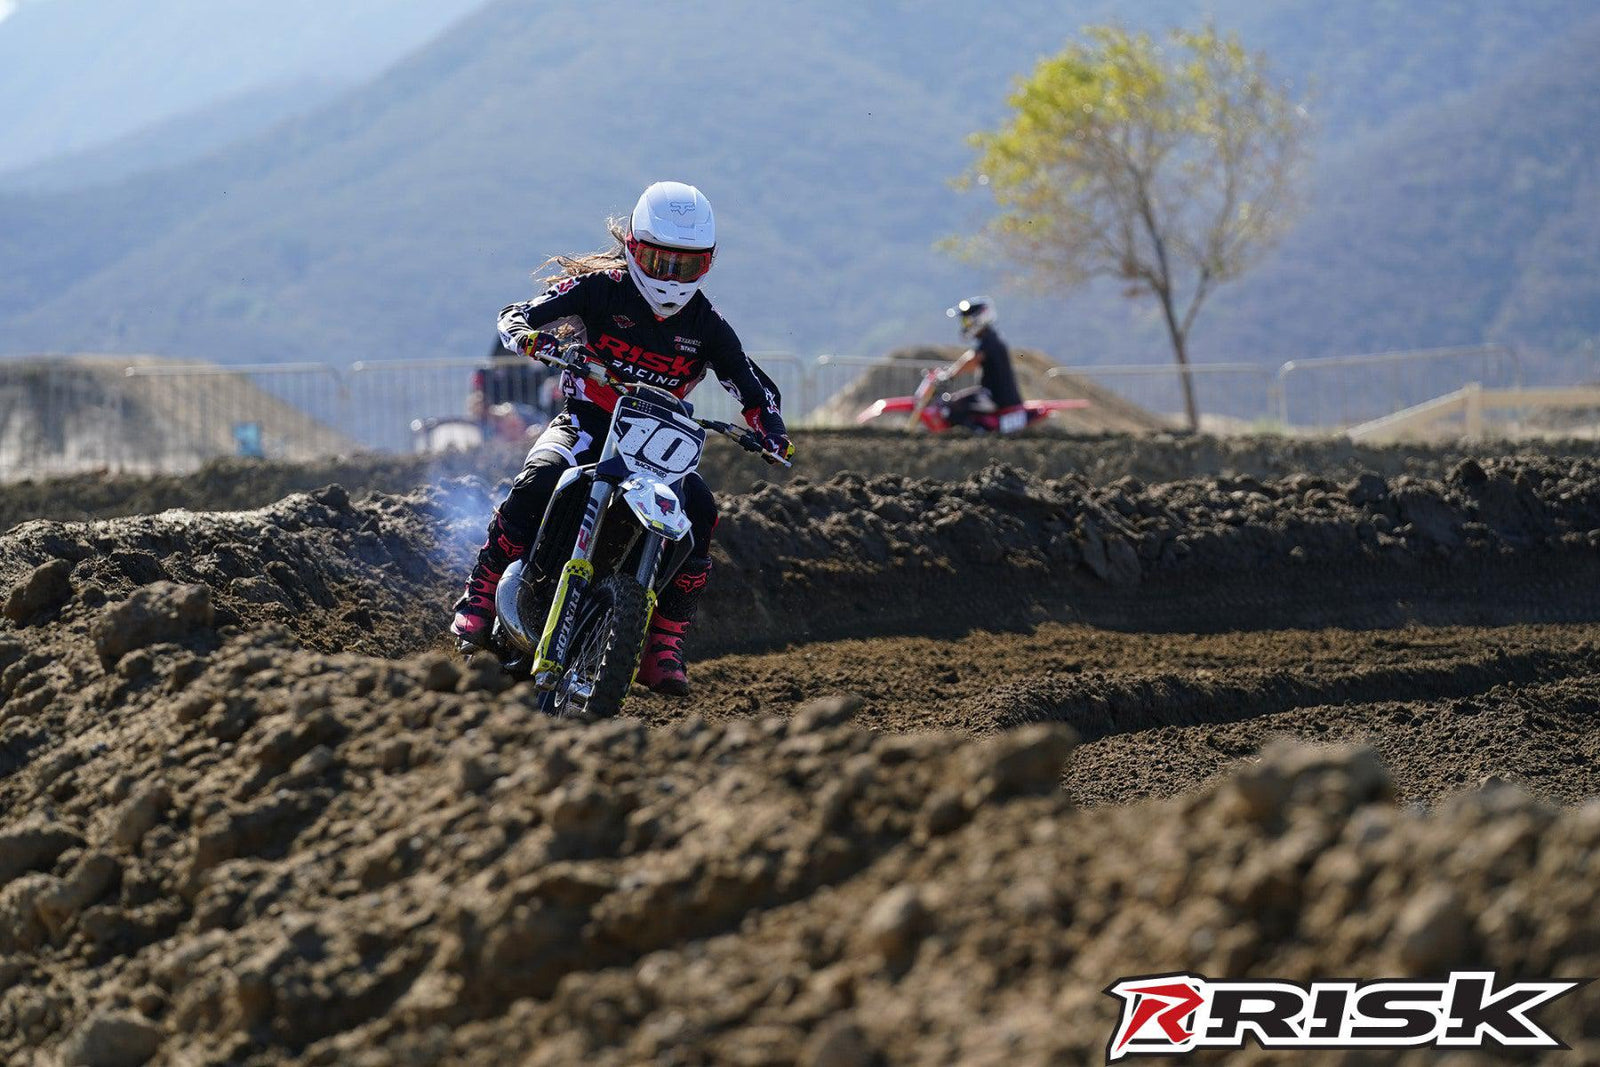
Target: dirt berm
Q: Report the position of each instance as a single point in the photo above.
(250, 818)
(231, 484)
(1514, 540)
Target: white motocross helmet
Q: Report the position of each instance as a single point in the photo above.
(672, 239)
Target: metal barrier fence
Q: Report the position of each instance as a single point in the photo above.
(68, 414)
(61, 416)
(388, 398)
(1336, 392)
(52, 421)
(789, 373)
(391, 399)
(1242, 392)
(289, 411)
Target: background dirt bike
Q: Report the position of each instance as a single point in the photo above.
(614, 533)
(502, 422)
(929, 409)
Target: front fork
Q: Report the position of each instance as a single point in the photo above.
(649, 563)
(551, 655)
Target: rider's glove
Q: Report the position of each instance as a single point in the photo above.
(770, 431)
(779, 445)
(537, 344)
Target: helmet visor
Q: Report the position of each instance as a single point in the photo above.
(670, 264)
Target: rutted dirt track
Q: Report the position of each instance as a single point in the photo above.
(1446, 708)
(252, 812)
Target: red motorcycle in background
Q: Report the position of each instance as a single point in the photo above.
(930, 409)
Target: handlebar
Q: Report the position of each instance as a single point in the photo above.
(745, 439)
(572, 357)
(562, 357)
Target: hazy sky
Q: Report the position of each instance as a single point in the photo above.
(161, 61)
(8, 6)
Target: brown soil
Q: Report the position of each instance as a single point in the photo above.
(1160, 713)
(233, 484)
(253, 815)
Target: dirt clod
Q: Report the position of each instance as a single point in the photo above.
(895, 924)
(45, 587)
(138, 815)
(1429, 934)
(839, 1043)
(33, 845)
(1021, 762)
(825, 712)
(161, 611)
(112, 1039)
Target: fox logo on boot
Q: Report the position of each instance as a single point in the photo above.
(691, 583)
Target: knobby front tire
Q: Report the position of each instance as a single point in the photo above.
(609, 641)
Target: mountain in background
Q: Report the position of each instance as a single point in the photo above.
(172, 142)
(396, 219)
(1475, 220)
(75, 74)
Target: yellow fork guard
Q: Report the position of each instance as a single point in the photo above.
(582, 568)
(644, 642)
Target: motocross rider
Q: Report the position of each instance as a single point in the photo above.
(996, 392)
(638, 307)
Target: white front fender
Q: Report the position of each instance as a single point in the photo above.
(656, 505)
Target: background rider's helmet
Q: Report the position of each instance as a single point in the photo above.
(672, 239)
(973, 314)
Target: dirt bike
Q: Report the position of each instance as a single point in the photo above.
(501, 422)
(612, 536)
(929, 409)
(445, 433)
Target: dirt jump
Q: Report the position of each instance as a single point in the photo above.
(974, 734)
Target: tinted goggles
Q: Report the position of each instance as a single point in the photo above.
(670, 264)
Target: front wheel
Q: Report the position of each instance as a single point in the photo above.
(608, 640)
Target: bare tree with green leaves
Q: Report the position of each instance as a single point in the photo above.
(1168, 165)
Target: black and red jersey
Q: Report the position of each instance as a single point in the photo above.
(672, 354)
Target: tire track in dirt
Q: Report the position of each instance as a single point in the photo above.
(1100, 705)
(1161, 713)
(1543, 737)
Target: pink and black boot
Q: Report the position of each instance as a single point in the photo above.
(662, 668)
(474, 612)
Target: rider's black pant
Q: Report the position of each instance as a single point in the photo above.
(962, 406)
(574, 438)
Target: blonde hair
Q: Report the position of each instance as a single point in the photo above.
(562, 266)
